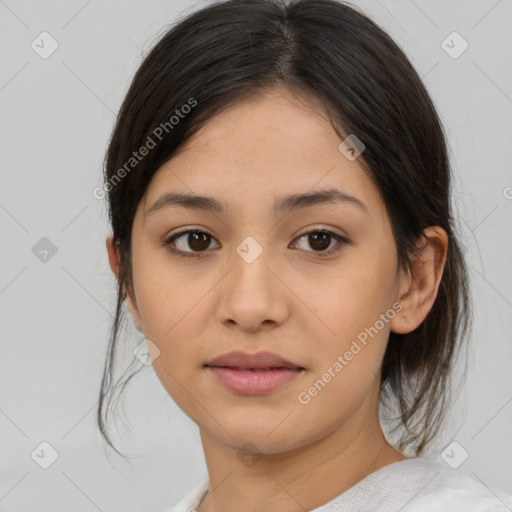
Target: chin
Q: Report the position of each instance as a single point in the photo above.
(265, 440)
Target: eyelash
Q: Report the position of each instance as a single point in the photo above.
(169, 241)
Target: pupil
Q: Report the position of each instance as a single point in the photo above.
(313, 241)
(196, 243)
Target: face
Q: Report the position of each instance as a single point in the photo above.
(302, 281)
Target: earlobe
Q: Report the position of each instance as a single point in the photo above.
(113, 255)
(418, 290)
(134, 312)
(114, 261)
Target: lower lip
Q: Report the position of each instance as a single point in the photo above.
(247, 382)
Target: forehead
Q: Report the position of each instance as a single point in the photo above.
(263, 148)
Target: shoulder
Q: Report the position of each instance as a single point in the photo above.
(192, 498)
(446, 487)
(419, 485)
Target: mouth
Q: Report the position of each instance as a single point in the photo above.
(253, 373)
(254, 381)
(252, 361)
(270, 368)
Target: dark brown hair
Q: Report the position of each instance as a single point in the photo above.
(329, 52)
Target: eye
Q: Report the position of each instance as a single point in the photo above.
(320, 240)
(197, 240)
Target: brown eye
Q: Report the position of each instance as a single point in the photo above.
(320, 241)
(190, 242)
(198, 241)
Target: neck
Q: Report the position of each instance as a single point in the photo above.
(296, 480)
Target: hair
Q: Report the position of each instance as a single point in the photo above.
(331, 54)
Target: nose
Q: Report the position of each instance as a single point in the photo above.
(251, 295)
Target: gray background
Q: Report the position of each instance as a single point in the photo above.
(56, 116)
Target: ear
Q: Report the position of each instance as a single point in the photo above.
(114, 260)
(418, 289)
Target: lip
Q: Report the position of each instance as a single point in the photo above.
(254, 382)
(253, 374)
(258, 360)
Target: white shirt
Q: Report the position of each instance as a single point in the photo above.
(413, 485)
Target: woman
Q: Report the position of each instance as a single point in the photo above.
(279, 194)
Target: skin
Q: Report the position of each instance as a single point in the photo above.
(290, 301)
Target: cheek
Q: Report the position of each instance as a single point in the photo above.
(349, 335)
(174, 308)
(354, 295)
(172, 317)
(165, 293)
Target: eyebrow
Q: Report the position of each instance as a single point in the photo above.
(281, 205)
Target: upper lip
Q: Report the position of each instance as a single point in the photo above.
(245, 360)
